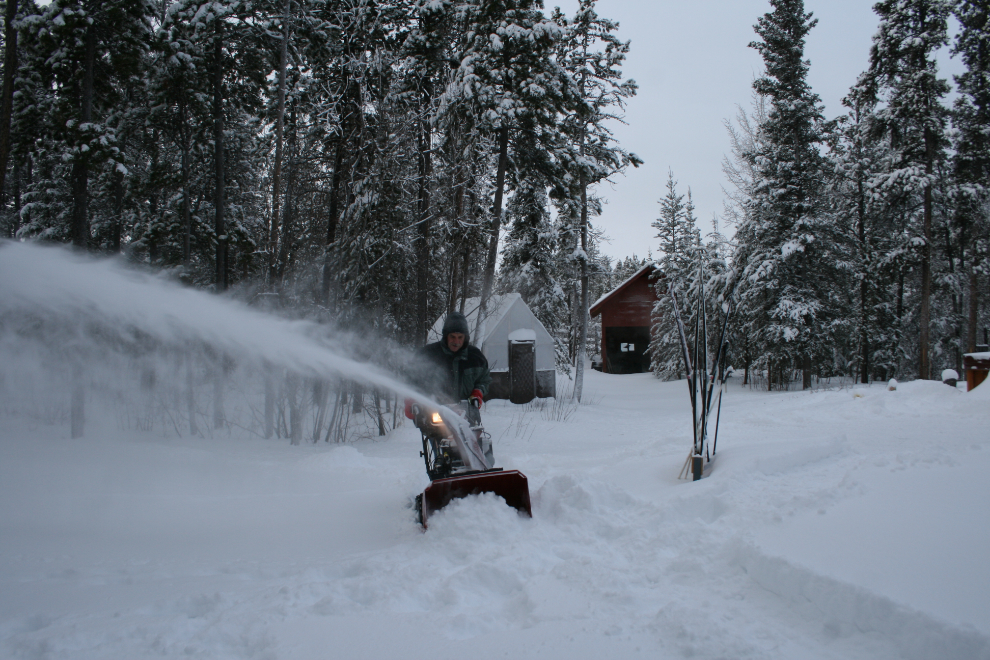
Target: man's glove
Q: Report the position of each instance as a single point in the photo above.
(476, 398)
(409, 409)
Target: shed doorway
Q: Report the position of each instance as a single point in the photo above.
(626, 349)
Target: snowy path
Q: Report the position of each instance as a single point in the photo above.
(842, 524)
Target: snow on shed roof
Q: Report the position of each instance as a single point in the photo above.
(498, 305)
(629, 280)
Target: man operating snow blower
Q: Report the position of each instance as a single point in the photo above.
(452, 369)
(456, 448)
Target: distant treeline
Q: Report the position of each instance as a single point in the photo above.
(340, 158)
(861, 244)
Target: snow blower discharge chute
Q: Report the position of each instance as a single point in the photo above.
(459, 461)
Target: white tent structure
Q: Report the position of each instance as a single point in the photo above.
(507, 315)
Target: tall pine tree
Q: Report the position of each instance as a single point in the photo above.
(971, 117)
(781, 277)
(904, 75)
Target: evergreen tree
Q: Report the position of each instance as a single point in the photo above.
(506, 75)
(680, 249)
(84, 59)
(971, 117)
(904, 75)
(528, 266)
(7, 93)
(865, 217)
(593, 56)
(780, 268)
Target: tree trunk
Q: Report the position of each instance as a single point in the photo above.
(864, 335)
(583, 309)
(924, 317)
(900, 296)
(15, 222)
(7, 102)
(489, 280)
(283, 258)
(378, 411)
(459, 182)
(452, 286)
(956, 300)
(218, 155)
(423, 240)
(191, 395)
(80, 167)
(357, 397)
(269, 403)
(186, 202)
(218, 378)
(295, 411)
(279, 129)
(77, 408)
(118, 212)
(466, 268)
(335, 183)
(974, 311)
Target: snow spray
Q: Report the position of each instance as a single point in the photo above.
(72, 327)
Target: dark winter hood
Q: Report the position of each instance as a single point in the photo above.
(456, 322)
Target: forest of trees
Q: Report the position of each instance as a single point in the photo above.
(372, 162)
(862, 244)
(356, 161)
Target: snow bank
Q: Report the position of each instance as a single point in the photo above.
(522, 334)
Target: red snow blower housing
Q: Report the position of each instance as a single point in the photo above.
(459, 461)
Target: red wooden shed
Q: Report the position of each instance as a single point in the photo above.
(626, 314)
(977, 366)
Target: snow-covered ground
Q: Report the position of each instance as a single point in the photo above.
(845, 524)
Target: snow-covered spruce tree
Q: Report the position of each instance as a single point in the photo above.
(32, 101)
(507, 74)
(9, 37)
(345, 41)
(208, 111)
(175, 230)
(593, 55)
(904, 75)
(745, 138)
(528, 265)
(781, 267)
(426, 61)
(971, 119)
(869, 254)
(603, 276)
(378, 249)
(275, 266)
(679, 251)
(84, 56)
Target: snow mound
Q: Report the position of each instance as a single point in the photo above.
(980, 393)
(848, 610)
(343, 457)
(522, 334)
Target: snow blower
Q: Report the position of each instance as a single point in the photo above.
(459, 461)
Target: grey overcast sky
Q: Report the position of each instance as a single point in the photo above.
(693, 68)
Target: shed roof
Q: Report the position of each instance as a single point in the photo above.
(507, 315)
(498, 305)
(647, 269)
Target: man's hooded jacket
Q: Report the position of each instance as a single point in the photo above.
(440, 372)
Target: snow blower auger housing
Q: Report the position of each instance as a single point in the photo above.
(459, 461)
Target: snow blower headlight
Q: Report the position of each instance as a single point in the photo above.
(437, 419)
